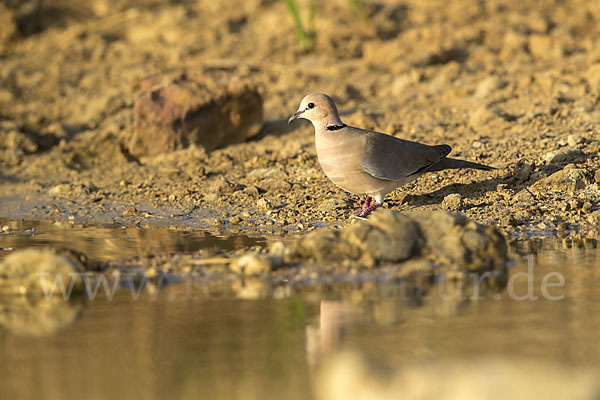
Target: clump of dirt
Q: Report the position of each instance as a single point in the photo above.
(513, 84)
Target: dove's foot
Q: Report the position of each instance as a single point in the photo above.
(368, 208)
(364, 207)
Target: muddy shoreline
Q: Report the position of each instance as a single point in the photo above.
(515, 87)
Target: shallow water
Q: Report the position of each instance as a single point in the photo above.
(184, 340)
(112, 242)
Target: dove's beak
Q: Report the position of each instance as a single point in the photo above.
(296, 115)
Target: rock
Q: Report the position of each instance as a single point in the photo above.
(274, 185)
(219, 185)
(390, 237)
(524, 196)
(264, 204)
(574, 140)
(523, 170)
(70, 189)
(594, 218)
(452, 202)
(251, 191)
(568, 179)
(262, 173)
(208, 109)
(597, 176)
(324, 245)
(564, 156)
(333, 203)
(255, 264)
(574, 204)
(489, 85)
(40, 272)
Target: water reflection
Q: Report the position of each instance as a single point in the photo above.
(104, 243)
(28, 316)
(252, 339)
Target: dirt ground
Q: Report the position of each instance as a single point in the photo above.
(513, 84)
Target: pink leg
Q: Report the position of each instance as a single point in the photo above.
(364, 213)
(365, 206)
(368, 207)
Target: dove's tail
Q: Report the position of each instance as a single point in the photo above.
(454, 163)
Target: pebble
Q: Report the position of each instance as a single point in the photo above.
(263, 204)
(564, 156)
(523, 170)
(574, 140)
(452, 202)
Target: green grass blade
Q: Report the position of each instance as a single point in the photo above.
(292, 7)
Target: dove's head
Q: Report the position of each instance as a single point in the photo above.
(319, 109)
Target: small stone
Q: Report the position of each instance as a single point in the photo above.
(523, 170)
(488, 86)
(594, 218)
(574, 204)
(524, 196)
(597, 176)
(274, 185)
(564, 156)
(220, 185)
(263, 204)
(262, 173)
(574, 140)
(131, 212)
(587, 207)
(58, 189)
(251, 191)
(568, 179)
(452, 202)
(331, 204)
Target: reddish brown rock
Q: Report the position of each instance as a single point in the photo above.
(208, 109)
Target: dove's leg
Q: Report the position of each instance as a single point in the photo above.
(368, 208)
(364, 207)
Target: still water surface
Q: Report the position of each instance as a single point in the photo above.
(182, 341)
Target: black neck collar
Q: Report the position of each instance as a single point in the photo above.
(334, 127)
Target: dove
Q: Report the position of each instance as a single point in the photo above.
(370, 163)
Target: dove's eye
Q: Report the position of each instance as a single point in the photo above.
(311, 105)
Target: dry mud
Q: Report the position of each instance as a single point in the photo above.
(512, 84)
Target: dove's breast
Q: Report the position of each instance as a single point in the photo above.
(341, 154)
